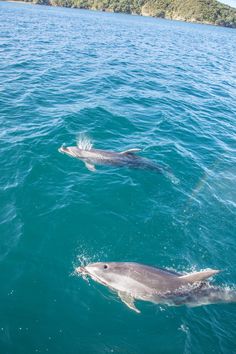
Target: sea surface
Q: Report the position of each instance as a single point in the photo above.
(123, 82)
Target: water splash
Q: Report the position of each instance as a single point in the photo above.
(84, 142)
(83, 260)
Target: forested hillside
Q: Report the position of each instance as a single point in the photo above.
(201, 11)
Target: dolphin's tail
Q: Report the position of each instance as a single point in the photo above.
(165, 170)
(169, 174)
(203, 295)
(212, 295)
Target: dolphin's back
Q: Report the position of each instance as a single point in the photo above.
(158, 280)
(104, 157)
(122, 159)
(154, 279)
(99, 154)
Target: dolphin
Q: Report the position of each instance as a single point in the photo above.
(92, 157)
(135, 281)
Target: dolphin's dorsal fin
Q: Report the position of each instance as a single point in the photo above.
(130, 151)
(128, 300)
(199, 276)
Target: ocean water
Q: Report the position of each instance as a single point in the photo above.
(122, 81)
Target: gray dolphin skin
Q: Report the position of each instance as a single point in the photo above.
(92, 157)
(134, 281)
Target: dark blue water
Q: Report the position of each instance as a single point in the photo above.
(124, 82)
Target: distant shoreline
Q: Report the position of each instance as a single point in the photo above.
(143, 14)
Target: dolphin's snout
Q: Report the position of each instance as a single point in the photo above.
(86, 270)
(81, 270)
(72, 151)
(62, 149)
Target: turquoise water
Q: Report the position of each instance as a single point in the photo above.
(166, 87)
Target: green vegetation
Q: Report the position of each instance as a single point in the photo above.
(202, 11)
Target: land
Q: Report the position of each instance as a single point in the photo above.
(199, 11)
